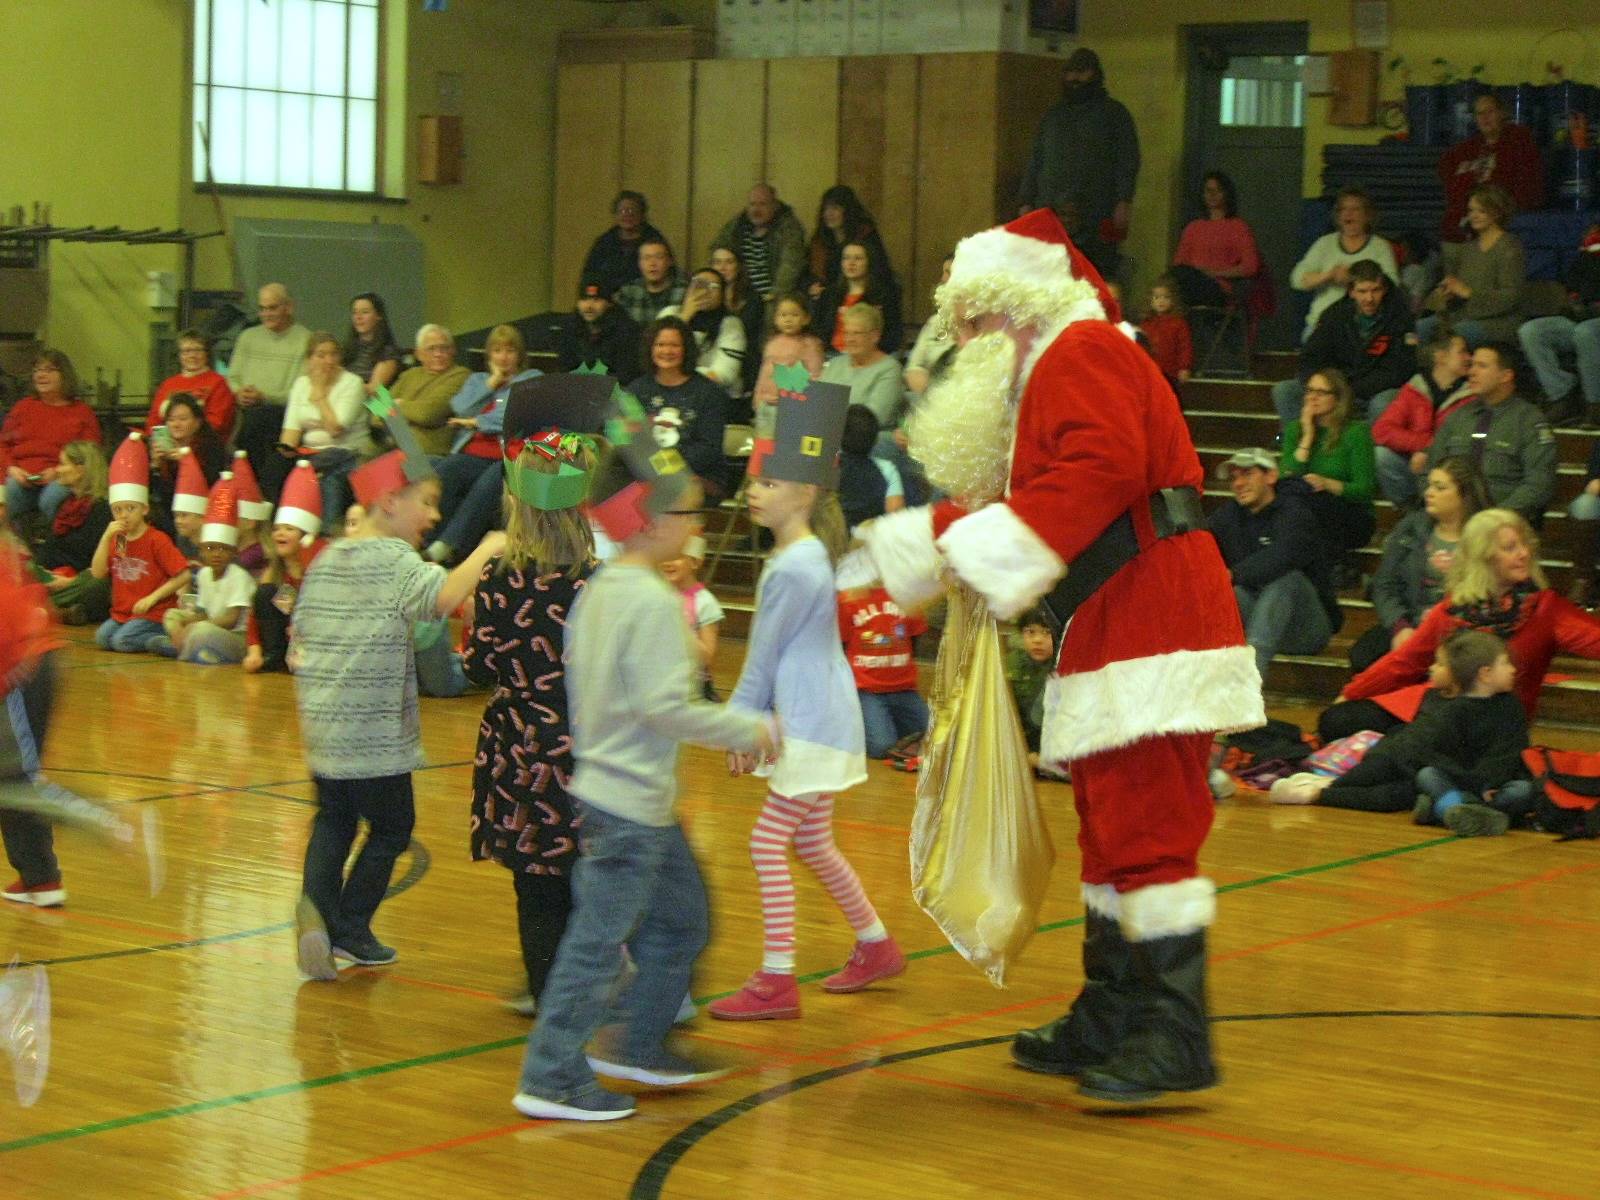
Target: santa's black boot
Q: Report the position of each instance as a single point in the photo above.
(1091, 1029)
(1168, 1048)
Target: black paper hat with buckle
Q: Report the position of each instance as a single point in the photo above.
(577, 403)
(804, 447)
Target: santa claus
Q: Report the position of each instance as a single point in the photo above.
(1053, 404)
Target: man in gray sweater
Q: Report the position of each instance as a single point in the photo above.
(1506, 437)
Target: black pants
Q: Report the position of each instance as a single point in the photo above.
(1341, 720)
(544, 902)
(257, 436)
(1345, 525)
(29, 840)
(272, 625)
(387, 806)
(1369, 648)
(1375, 784)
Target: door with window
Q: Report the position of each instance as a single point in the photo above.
(1245, 116)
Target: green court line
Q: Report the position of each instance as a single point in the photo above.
(306, 1085)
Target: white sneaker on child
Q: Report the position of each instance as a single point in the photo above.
(1303, 788)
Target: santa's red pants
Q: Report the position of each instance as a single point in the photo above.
(1144, 811)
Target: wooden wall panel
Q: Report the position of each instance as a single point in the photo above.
(657, 115)
(588, 157)
(803, 132)
(1029, 85)
(957, 115)
(729, 149)
(878, 155)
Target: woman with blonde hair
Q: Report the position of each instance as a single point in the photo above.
(522, 817)
(1333, 458)
(62, 561)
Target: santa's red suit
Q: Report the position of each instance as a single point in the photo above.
(1154, 662)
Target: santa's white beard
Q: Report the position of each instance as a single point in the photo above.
(962, 429)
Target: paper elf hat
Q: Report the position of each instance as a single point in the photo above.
(580, 402)
(403, 466)
(130, 472)
(252, 503)
(189, 493)
(660, 476)
(547, 491)
(300, 504)
(804, 446)
(222, 513)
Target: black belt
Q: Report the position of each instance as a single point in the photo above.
(1172, 511)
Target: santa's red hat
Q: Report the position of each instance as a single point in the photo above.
(130, 472)
(1030, 270)
(300, 504)
(251, 502)
(222, 513)
(189, 493)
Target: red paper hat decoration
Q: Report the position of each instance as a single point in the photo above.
(189, 494)
(130, 472)
(222, 513)
(252, 504)
(300, 504)
(373, 481)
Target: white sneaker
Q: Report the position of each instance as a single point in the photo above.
(1221, 784)
(1303, 788)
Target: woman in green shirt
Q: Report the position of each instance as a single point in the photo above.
(1333, 456)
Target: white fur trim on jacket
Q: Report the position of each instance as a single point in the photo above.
(901, 545)
(1186, 691)
(995, 552)
(1168, 909)
(1102, 900)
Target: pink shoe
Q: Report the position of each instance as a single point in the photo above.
(871, 962)
(764, 997)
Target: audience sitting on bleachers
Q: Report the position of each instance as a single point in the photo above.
(1584, 537)
(770, 241)
(657, 286)
(1417, 554)
(370, 353)
(1282, 576)
(1166, 332)
(739, 298)
(1480, 295)
(1574, 334)
(718, 334)
(196, 377)
(185, 431)
(1506, 437)
(841, 220)
(1406, 428)
(62, 559)
(862, 279)
(35, 431)
(1217, 250)
(872, 376)
(424, 392)
(930, 358)
(1324, 270)
(1500, 153)
(267, 359)
(1327, 461)
(326, 422)
(1365, 336)
(687, 411)
(614, 257)
(598, 334)
(792, 343)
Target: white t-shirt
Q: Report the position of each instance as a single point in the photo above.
(234, 590)
(348, 401)
(706, 609)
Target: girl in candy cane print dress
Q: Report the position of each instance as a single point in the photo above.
(522, 817)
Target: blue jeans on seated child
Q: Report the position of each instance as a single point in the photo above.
(890, 716)
(133, 636)
(1513, 798)
(439, 670)
(634, 884)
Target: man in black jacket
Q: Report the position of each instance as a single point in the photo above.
(1271, 545)
(599, 332)
(1368, 335)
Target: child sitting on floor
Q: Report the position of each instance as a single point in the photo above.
(212, 630)
(700, 608)
(147, 571)
(1028, 669)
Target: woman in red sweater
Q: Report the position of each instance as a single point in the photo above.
(196, 377)
(37, 429)
(1219, 245)
(1495, 584)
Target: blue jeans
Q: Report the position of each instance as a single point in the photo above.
(23, 498)
(133, 636)
(637, 885)
(1395, 480)
(890, 716)
(913, 481)
(1513, 798)
(1284, 616)
(333, 467)
(439, 671)
(1548, 340)
(1584, 507)
(1469, 330)
(470, 489)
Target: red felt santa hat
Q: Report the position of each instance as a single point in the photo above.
(252, 504)
(300, 504)
(189, 493)
(1031, 269)
(130, 472)
(222, 513)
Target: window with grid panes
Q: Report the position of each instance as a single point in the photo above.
(287, 93)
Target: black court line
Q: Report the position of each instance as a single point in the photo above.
(653, 1175)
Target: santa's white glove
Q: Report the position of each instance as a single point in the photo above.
(902, 549)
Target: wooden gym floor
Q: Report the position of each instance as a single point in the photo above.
(1398, 1013)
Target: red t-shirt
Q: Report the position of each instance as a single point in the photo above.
(139, 567)
(216, 398)
(1170, 344)
(877, 640)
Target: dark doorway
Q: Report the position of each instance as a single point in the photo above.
(1245, 115)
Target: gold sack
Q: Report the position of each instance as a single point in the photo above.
(980, 852)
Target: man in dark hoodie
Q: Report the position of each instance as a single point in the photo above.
(1085, 163)
(770, 240)
(1367, 335)
(599, 332)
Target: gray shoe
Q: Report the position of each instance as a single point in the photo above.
(314, 951)
(591, 1103)
(365, 951)
(665, 1069)
(1422, 810)
(1476, 820)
